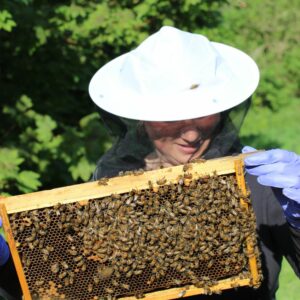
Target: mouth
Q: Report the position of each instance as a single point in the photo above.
(188, 149)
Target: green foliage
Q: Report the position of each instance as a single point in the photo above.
(51, 149)
(6, 21)
(269, 31)
(50, 133)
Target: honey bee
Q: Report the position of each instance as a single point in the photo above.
(42, 232)
(139, 295)
(109, 290)
(194, 86)
(138, 172)
(45, 251)
(78, 258)
(227, 269)
(199, 160)
(71, 280)
(129, 274)
(116, 196)
(13, 217)
(62, 275)
(26, 261)
(188, 176)
(195, 265)
(186, 201)
(181, 294)
(125, 286)
(90, 287)
(83, 268)
(186, 167)
(41, 243)
(207, 291)
(177, 281)
(21, 228)
(117, 274)
(67, 281)
(150, 184)
(26, 222)
(105, 272)
(234, 285)
(64, 265)
(31, 246)
(55, 268)
(103, 181)
(115, 283)
(40, 282)
(198, 283)
(80, 263)
(96, 279)
(161, 181)
(151, 280)
(210, 264)
(73, 253)
(70, 238)
(45, 257)
(137, 272)
(31, 238)
(48, 217)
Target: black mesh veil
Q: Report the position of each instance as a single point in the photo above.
(132, 144)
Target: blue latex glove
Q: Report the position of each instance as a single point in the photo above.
(4, 251)
(280, 169)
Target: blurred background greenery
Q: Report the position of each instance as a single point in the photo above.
(51, 134)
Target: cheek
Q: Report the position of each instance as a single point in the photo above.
(163, 144)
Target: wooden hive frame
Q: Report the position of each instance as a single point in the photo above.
(92, 190)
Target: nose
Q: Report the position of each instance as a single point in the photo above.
(190, 134)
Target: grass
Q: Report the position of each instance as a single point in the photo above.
(265, 129)
(1, 231)
(289, 284)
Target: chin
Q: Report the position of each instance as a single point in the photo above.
(183, 160)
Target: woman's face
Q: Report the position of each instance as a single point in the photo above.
(178, 142)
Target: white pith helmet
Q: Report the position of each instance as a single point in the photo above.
(174, 75)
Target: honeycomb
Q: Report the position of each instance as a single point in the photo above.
(129, 244)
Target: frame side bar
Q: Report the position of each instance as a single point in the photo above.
(239, 167)
(14, 253)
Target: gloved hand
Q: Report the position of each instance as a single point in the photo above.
(279, 169)
(4, 251)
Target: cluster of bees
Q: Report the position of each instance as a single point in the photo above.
(127, 244)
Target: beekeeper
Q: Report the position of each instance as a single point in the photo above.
(178, 97)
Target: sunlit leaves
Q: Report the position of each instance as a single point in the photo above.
(49, 52)
(28, 181)
(7, 22)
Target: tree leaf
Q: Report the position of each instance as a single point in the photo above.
(28, 181)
